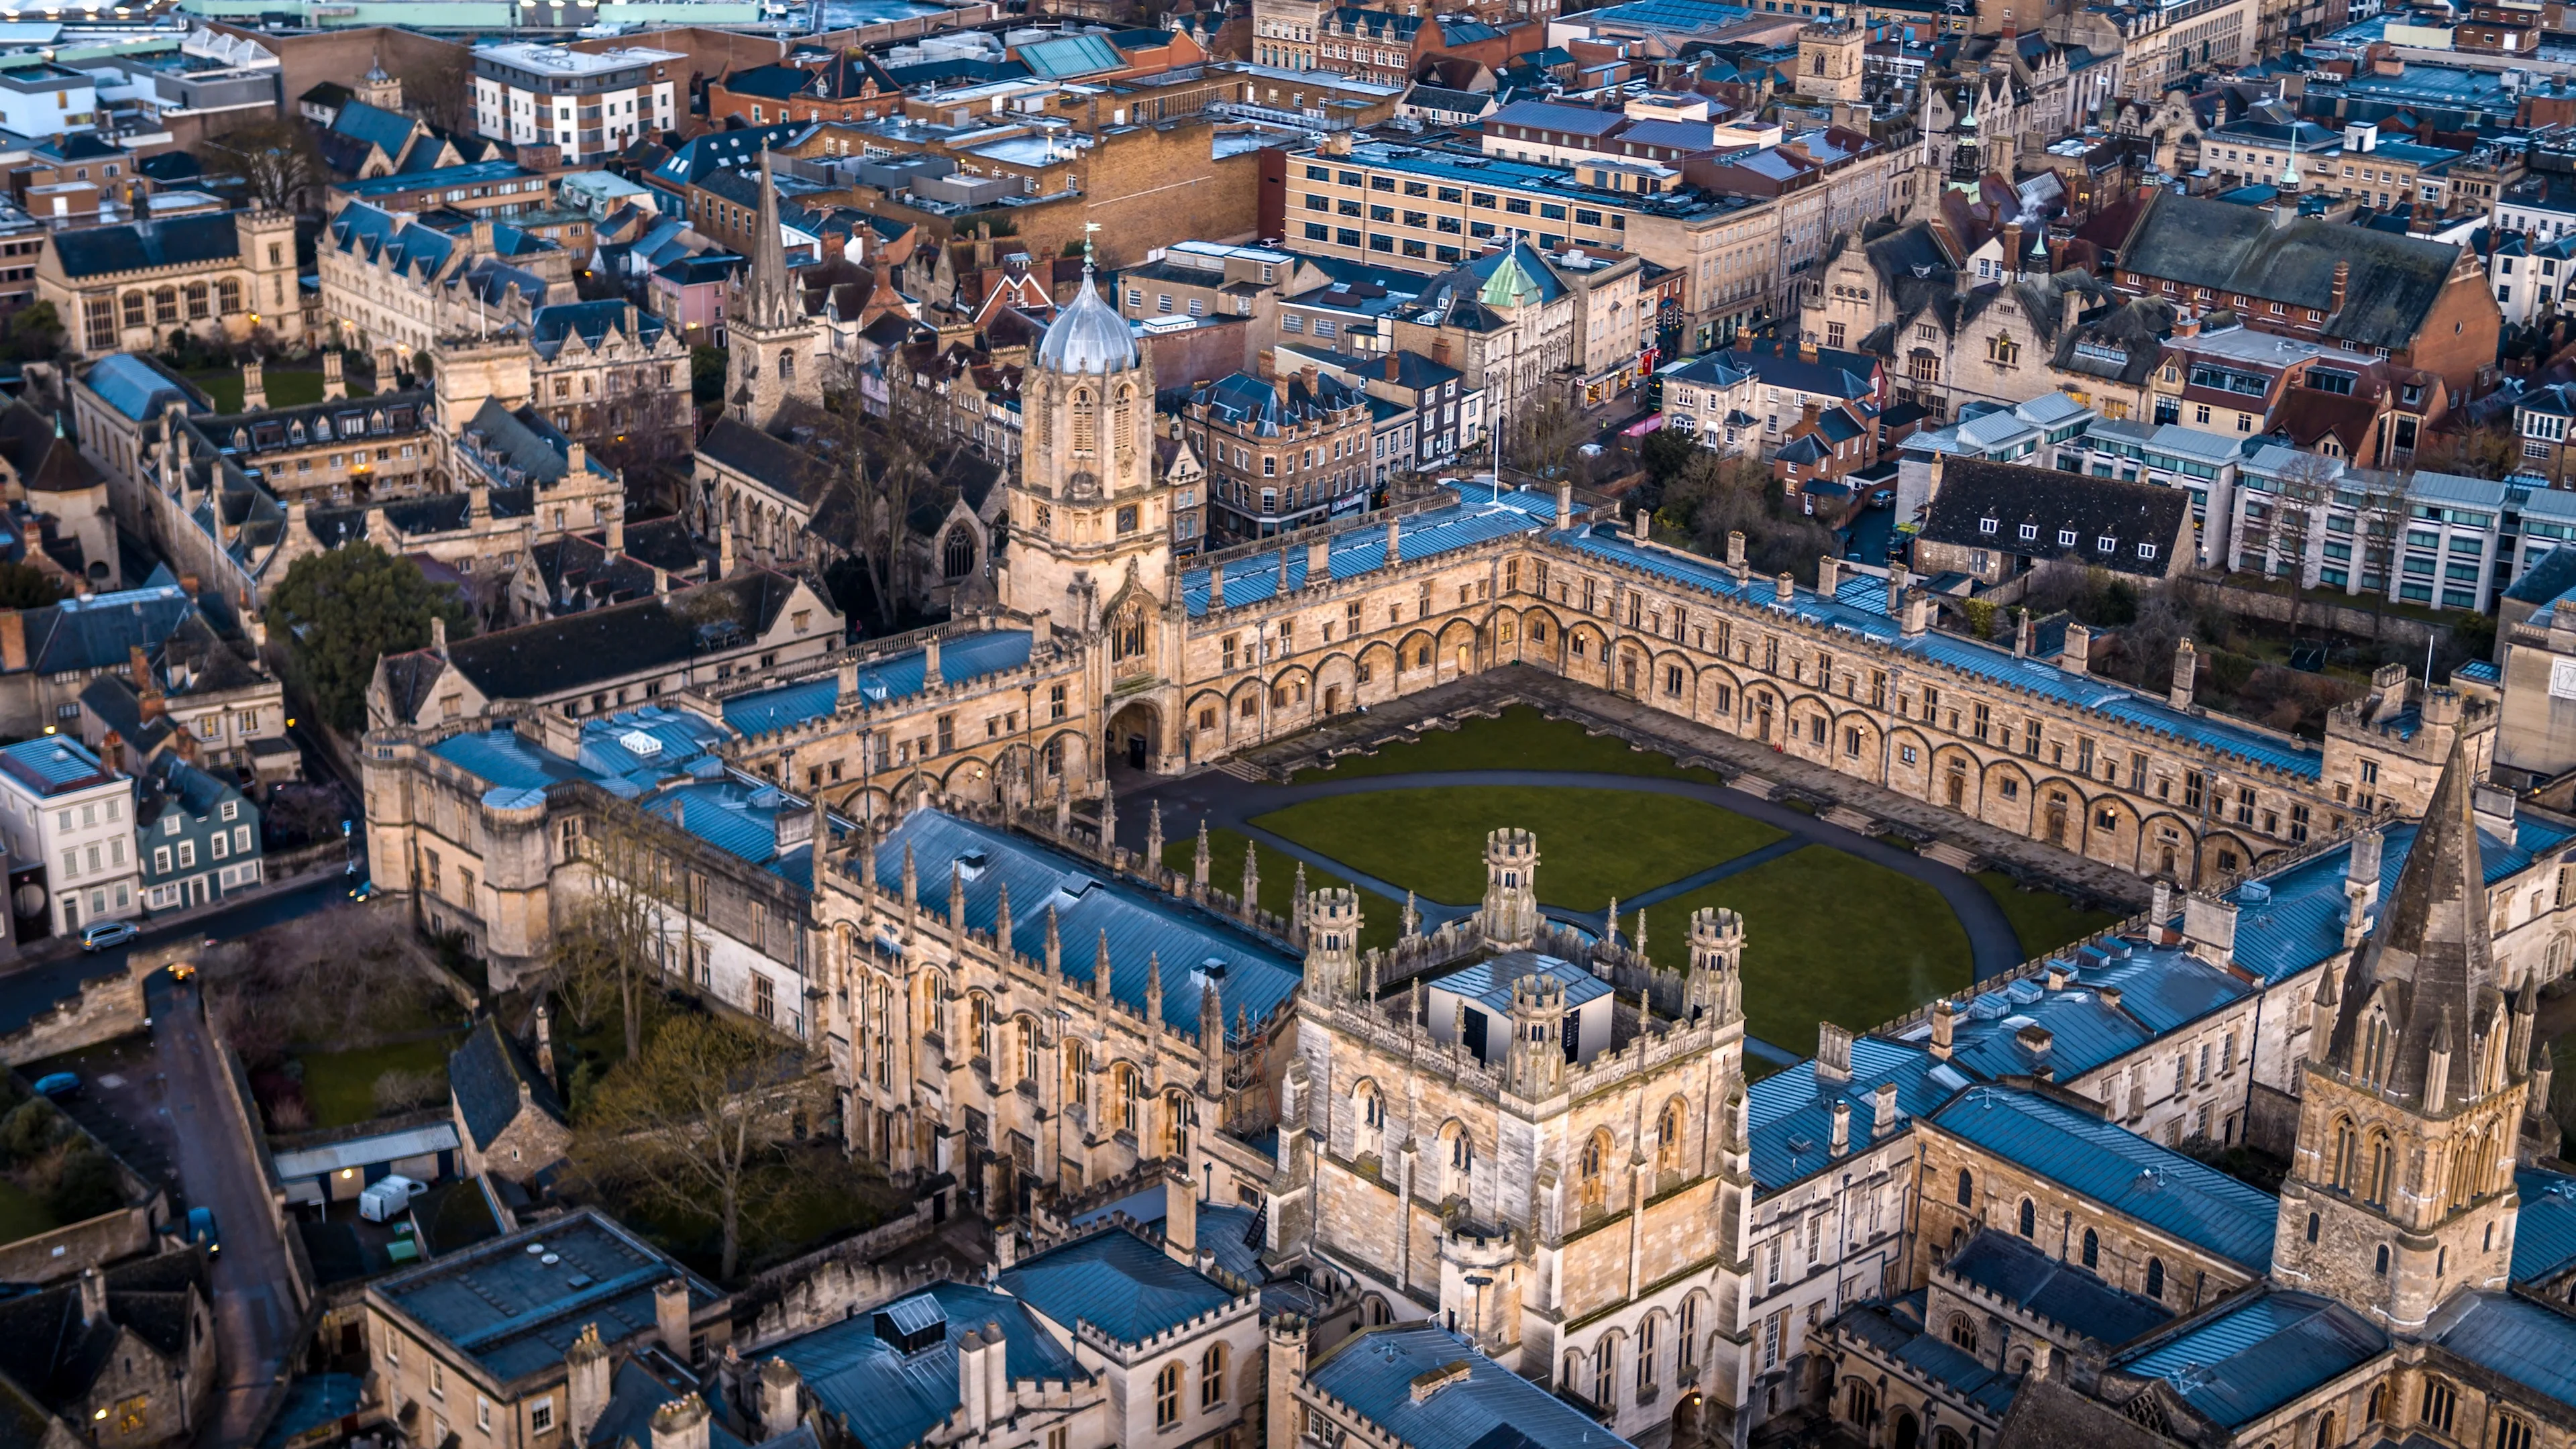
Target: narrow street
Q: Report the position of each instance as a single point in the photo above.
(255, 1313)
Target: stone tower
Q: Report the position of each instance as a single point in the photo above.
(1333, 948)
(1535, 1068)
(1829, 60)
(1716, 984)
(777, 351)
(1090, 522)
(2401, 1187)
(379, 89)
(1511, 888)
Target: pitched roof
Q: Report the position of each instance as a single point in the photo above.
(2018, 1273)
(1983, 504)
(1383, 1375)
(887, 1397)
(158, 242)
(2391, 287)
(1117, 1282)
(486, 1073)
(2257, 1354)
(2119, 1169)
(559, 655)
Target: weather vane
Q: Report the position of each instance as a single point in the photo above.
(1088, 255)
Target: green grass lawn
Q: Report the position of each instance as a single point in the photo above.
(1592, 844)
(340, 1087)
(1830, 937)
(1520, 739)
(1379, 926)
(2044, 920)
(21, 1216)
(285, 389)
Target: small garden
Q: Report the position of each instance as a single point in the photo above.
(335, 1018)
(51, 1173)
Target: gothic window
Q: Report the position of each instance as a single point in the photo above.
(1077, 1073)
(2156, 1279)
(2378, 1401)
(2092, 1249)
(196, 301)
(227, 296)
(2381, 1266)
(134, 316)
(979, 1023)
(1122, 426)
(1686, 1345)
(2347, 1155)
(1086, 423)
(1595, 1171)
(1176, 1113)
(957, 556)
(2439, 1401)
(1127, 636)
(786, 365)
(1212, 1376)
(2374, 1049)
(2326, 1428)
(1967, 1189)
(2511, 1433)
(1167, 1396)
(165, 304)
(1669, 1126)
(2029, 1218)
(1126, 1090)
(1462, 1157)
(1604, 1358)
(2383, 1169)
(1963, 1332)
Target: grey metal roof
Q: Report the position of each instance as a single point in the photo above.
(1489, 982)
(1478, 518)
(1253, 976)
(2018, 1273)
(886, 1398)
(1790, 1112)
(2544, 1231)
(2247, 1360)
(2531, 1343)
(1117, 1282)
(2120, 1170)
(1375, 1374)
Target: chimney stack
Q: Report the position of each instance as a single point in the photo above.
(254, 388)
(1180, 1217)
(671, 1321)
(1829, 575)
(2186, 669)
(334, 386)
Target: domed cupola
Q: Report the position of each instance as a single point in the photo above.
(1088, 336)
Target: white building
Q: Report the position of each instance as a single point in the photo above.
(585, 104)
(60, 806)
(46, 99)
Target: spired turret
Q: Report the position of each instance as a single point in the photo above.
(1510, 916)
(1535, 1068)
(1332, 947)
(1715, 990)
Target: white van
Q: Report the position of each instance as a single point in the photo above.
(387, 1197)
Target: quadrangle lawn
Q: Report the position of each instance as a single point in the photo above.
(1592, 844)
(1829, 937)
(1521, 738)
(286, 388)
(2044, 920)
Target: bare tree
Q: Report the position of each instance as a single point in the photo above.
(1544, 439)
(891, 465)
(693, 1115)
(273, 162)
(636, 894)
(440, 88)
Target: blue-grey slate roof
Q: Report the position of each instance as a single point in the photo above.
(1143, 928)
(1118, 1283)
(2544, 1231)
(633, 1395)
(137, 387)
(2118, 1169)
(2299, 922)
(1479, 518)
(2161, 988)
(887, 1399)
(167, 242)
(1791, 1112)
(1895, 1329)
(1373, 1373)
(1859, 608)
(2019, 1273)
(2529, 1342)
(2249, 1359)
(896, 677)
(484, 1072)
(514, 1313)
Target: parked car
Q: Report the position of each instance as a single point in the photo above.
(107, 934)
(58, 1085)
(1883, 498)
(387, 1197)
(364, 890)
(201, 1229)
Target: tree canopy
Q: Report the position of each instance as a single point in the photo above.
(25, 586)
(338, 612)
(272, 163)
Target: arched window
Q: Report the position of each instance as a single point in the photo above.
(2440, 1399)
(2383, 1169)
(1604, 1359)
(2381, 1267)
(1122, 419)
(787, 364)
(1646, 1349)
(1686, 1343)
(1212, 1377)
(227, 296)
(1963, 1332)
(1077, 1073)
(2512, 1432)
(165, 304)
(979, 1025)
(1176, 1118)
(1668, 1137)
(1167, 1396)
(2325, 1430)
(2156, 1279)
(2378, 1401)
(1086, 422)
(1127, 636)
(2347, 1155)
(2029, 1218)
(957, 555)
(1462, 1159)
(2313, 1221)
(1967, 1189)
(1594, 1171)
(1128, 1088)
(2374, 1052)
(1860, 1404)
(2092, 1249)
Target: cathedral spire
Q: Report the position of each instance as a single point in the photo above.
(771, 298)
(2428, 962)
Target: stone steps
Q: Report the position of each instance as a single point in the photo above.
(1851, 820)
(1957, 857)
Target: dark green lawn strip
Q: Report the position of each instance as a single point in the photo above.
(1520, 739)
(2044, 920)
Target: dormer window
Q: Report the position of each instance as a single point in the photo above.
(2030, 533)
(2107, 544)
(2066, 538)
(1985, 525)
(2146, 550)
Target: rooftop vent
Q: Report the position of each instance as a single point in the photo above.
(640, 744)
(971, 864)
(910, 1325)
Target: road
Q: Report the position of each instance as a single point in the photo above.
(255, 1312)
(28, 993)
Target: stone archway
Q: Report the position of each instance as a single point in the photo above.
(1909, 1430)
(1685, 1426)
(1134, 738)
